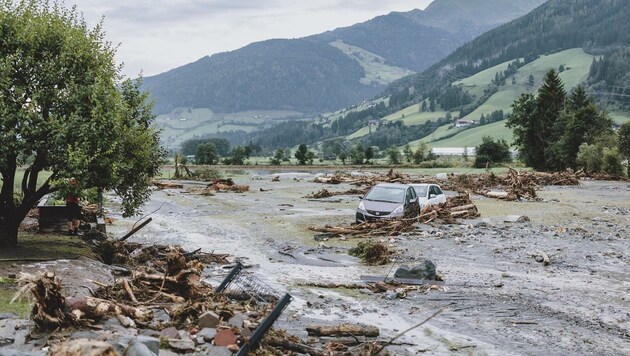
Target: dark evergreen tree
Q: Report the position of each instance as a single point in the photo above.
(301, 154)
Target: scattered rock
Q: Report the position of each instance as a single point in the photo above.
(209, 320)
(208, 334)
(237, 321)
(424, 270)
(182, 345)
(218, 351)
(170, 333)
(152, 343)
(139, 349)
(224, 337)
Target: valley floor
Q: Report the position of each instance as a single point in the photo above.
(496, 299)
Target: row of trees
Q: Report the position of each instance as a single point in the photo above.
(554, 130)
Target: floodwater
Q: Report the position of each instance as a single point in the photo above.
(497, 299)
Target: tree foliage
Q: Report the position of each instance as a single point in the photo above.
(302, 154)
(549, 129)
(64, 110)
(492, 152)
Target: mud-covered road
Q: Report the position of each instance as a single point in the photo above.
(497, 299)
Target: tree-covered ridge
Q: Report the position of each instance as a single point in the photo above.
(598, 26)
(610, 78)
(403, 41)
(287, 74)
(309, 75)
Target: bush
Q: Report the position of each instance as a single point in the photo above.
(206, 173)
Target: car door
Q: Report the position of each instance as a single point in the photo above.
(437, 195)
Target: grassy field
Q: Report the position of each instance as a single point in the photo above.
(375, 67)
(577, 64)
(410, 115)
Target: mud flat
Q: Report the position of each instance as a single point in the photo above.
(500, 296)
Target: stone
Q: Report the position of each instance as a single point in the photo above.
(424, 270)
(170, 333)
(12, 352)
(237, 321)
(209, 320)
(225, 337)
(182, 345)
(138, 349)
(8, 316)
(208, 334)
(164, 352)
(391, 295)
(218, 351)
(152, 343)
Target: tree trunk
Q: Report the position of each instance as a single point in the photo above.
(8, 231)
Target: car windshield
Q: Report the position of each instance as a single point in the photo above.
(421, 191)
(386, 194)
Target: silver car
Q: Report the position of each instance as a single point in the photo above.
(388, 200)
(429, 194)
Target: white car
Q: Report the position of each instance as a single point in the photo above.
(429, 194)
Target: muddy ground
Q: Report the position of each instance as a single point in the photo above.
(496, 299)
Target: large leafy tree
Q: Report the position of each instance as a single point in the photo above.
(64, 110)
(491, 151)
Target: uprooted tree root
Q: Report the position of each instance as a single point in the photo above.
(371, 253)
(51, 310)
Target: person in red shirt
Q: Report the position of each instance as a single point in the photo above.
(73, 208)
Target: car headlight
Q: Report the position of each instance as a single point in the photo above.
(398, 210)
(361, 206)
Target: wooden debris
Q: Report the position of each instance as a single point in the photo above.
(366, 180)
(167, 185)
(388, 227)
(225, 185)
(325, 193)
(343, 330)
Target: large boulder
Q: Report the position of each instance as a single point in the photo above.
(424, 270)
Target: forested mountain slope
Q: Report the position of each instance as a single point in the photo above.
(309, 75)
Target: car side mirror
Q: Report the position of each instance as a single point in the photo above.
(431, 196)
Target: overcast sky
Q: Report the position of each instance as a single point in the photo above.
(158, 35)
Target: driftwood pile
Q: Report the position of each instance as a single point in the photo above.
(154, 278)
(224, 186)
(365, 180)
(460, 206)
(325, 193)
(512, 186)
(383, 227)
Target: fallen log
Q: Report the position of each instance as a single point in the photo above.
(293, 346)
(343, 330)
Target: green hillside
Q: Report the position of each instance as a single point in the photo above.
(375, 67)
(183, 124)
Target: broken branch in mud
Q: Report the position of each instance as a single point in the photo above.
(136, 229)
(342, 330)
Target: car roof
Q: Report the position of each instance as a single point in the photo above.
(392, 185)
(422, 184)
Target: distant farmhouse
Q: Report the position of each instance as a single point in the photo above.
(464, 123)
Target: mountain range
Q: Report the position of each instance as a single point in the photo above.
(331, 70)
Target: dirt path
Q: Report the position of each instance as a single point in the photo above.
(497, 298)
